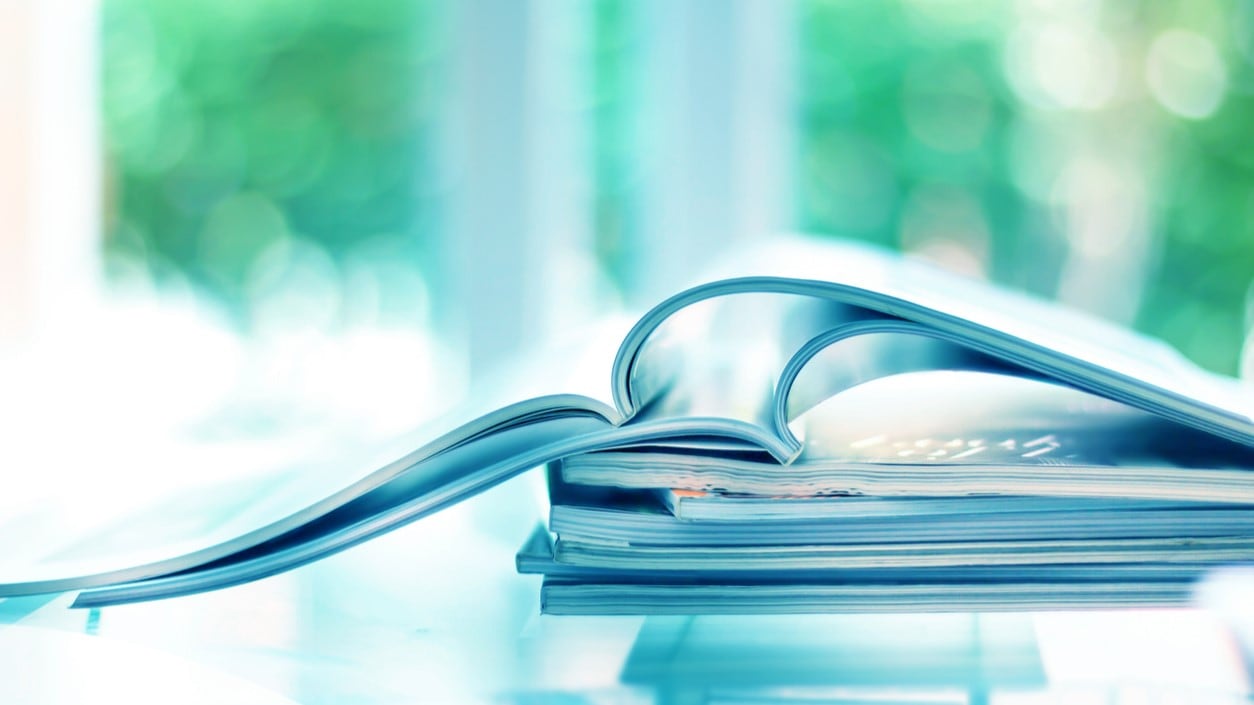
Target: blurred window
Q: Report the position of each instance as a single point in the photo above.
(284, 154)
(274, 154)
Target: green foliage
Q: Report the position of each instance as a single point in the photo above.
(1203, 292)
(232, 126)
(615, 42)
(898, 100)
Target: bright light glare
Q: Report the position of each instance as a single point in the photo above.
(1063, 65)
(947, 226)
(1102, 205)
(1185, 74)
(1158, 649)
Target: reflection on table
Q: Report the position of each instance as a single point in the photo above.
(434, 612)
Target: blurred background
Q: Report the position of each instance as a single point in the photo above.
(247, 219)
(318, 202)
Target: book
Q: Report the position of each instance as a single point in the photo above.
(799, 380)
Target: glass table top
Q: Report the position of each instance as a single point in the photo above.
(434, 612)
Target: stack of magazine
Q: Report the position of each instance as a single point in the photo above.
(1003, 516)
(818, 427)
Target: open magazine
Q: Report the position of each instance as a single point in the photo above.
(725, 407)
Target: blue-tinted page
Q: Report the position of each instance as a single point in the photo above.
(203, 502)
(424, 488)
(67, 544)
(1040, 336)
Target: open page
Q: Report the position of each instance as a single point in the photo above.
(189, 504)
(958, 434)
(854, 283)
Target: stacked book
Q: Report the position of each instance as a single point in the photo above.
(931, 471)
(818, 427)
(656, 531)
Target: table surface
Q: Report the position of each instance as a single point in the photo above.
(433, 612)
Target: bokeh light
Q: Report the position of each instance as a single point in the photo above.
(255, 147)
(283, 156)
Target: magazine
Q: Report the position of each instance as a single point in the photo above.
(737, 377)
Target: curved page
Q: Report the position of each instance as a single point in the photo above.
(955, 433)
(68, 543)
(870, 350)
(868, 284)
(428, 487)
